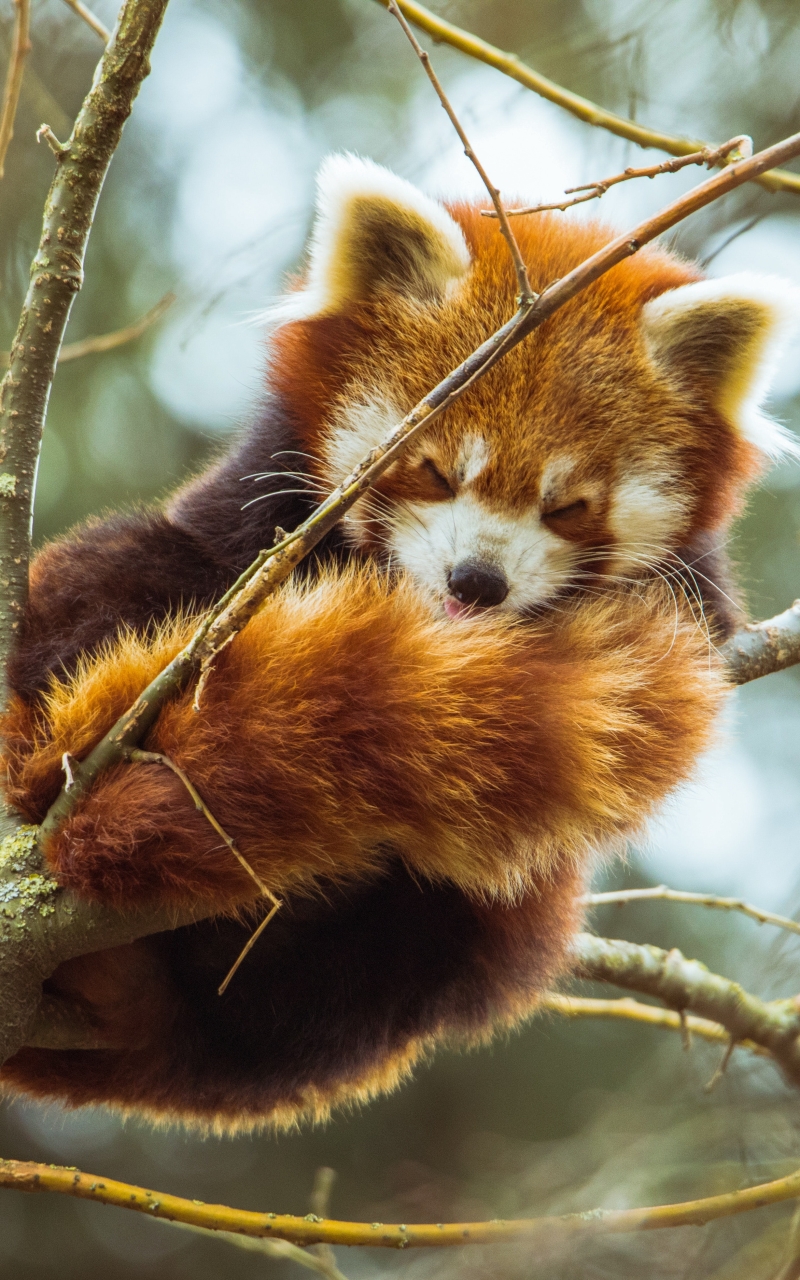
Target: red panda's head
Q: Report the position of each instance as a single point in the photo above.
(618, 432)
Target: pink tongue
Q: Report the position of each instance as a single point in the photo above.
(454, 608)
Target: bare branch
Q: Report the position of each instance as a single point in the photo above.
(741, 147)
(589, 112)
(26, 1176)
(526, 294)
(279, 1250)
(660, 893)
(763, 647)
(104, 341)
(628, 1010)
(20, 48)
(90, 19)
(39, 925)
(119, 338)
(56, 277)
(689, 985)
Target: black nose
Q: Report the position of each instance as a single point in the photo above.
(474, 582)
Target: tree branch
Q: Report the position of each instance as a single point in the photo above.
(687, 985)
(660, 893)
(89, 18)
(651, 1015)
(27, 1176)
(109, 341)
(763, 647)
(40, 926)
(56, 277)
(20, 48)
(588, 112)
(526, 294)
(740, 147)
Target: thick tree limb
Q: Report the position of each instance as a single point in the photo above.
(763, 647)
(39, 925)
(24, 1176)
(588, 112)
(689, 986)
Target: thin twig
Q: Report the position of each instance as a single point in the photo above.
(274, 565)
(723, 1066)
(20, 48)
(689, 985)
(45, 134)
(526, 294)
(109, 341)
(594, 190)
(790, 1269)
(320, 1204)
(90, 19)
(660, 893)
(155, 757)
(589, 112)
(26, 1176)
(651, 1015)
(279, 1250)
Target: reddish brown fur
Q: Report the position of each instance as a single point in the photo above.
(348, 735)
(582, 381)
(423, 794)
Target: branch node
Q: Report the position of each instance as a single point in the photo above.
(45, 134)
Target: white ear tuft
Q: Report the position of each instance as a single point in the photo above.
(374, 233)
(722, 339)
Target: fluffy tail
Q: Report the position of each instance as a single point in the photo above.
(346, 721)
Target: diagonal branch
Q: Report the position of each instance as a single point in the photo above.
(89, 18)
(651, 1015)
(737, 148)
(582, 108)
(109, 341)
(687, 985)
(661, 893)
(27, 1176)
(526, 294)
(56, 277)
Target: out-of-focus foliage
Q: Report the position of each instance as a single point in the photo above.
(210, 195)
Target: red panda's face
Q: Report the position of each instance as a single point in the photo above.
(617, 432)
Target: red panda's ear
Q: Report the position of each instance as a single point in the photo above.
(721, 340)
(374, 233)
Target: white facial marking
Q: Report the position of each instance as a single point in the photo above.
(555, 475)
(428, 539)
(473, 456)
(644, 518)
(359, 428)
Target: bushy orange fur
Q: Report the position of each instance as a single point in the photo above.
(346, 719)
(424, 795)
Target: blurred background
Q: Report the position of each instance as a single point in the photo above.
(210, 196)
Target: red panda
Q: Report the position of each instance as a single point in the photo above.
(500, 663)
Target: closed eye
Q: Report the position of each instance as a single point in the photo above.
(571, 509)
(433, 473)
